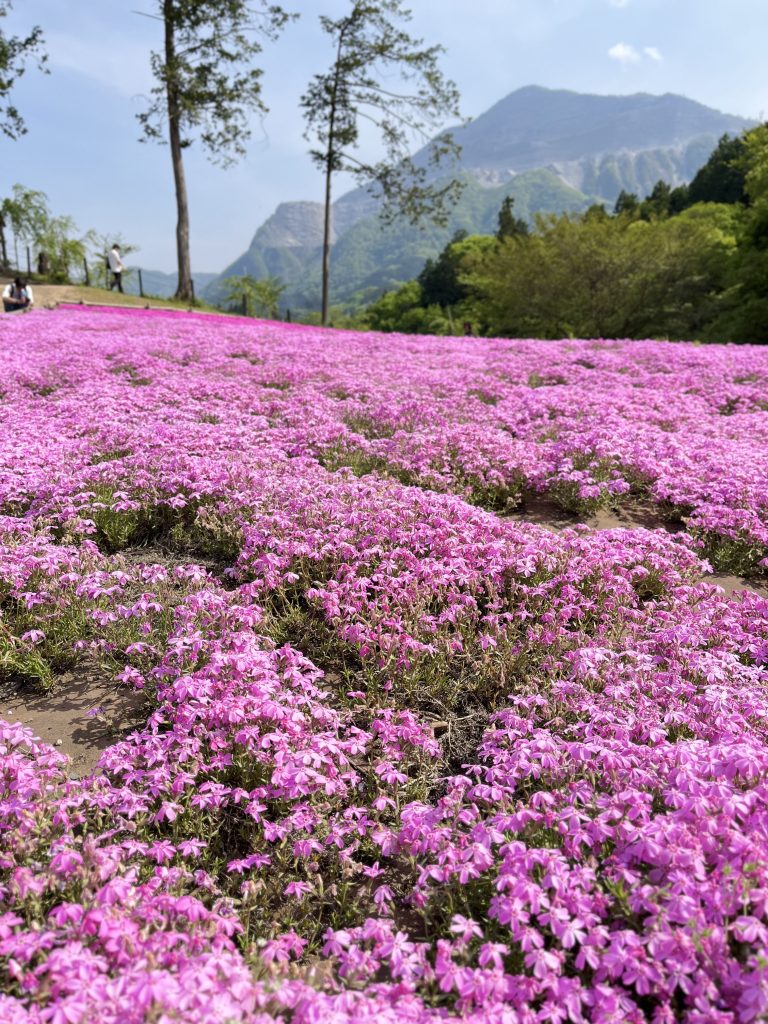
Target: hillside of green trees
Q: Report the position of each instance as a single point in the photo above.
(371, 256)
(683, 263)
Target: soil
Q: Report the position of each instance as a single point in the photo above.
(631, 516)
(48, 296)
(547, 514)
(60, 717)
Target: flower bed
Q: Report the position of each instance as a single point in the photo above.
(405, 757)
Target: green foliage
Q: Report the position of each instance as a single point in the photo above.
(754, 165)
(25, 213)
(15, 52)
(261, 298)
(627, 202)
(65, 249)
(657, 204)
(31, 223)
(741, 555)
(509, 224)
(207, 76)
(661, 267)
(600, 276)
(722, 178)
(338, 316)
(745, 318)
(439, 279)
(383, 76)
(403, 311)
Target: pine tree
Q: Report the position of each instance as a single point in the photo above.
(381, 75)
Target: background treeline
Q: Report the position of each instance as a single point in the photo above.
(35, 241)
(686, 262)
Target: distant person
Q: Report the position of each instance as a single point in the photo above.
(116, 267)
(17, 296)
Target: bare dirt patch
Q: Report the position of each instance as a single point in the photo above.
(156, 554)
(731, 584)
(632, 516)
(60, 717)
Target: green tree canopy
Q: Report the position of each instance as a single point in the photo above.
(722, 178)
(15, 53)
(255, 297)
(25, 214)
(746, 318)
(441, 280)
(599, 276)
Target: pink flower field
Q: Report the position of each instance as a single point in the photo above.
(419, 740)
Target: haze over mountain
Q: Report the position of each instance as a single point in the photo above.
(572, 133)
(553, 150)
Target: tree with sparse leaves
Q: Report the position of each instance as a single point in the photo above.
(206, 86)
(259, 297)
(15, 52)
(25, 213)
(381, 75)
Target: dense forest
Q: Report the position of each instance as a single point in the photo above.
(687, 262)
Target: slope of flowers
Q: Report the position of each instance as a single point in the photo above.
(404, 758)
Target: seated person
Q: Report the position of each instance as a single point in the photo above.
(17, 295)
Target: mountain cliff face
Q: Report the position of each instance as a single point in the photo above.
(554, 150)
(536, 127)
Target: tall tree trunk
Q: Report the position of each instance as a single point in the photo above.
(184, 291)
(327, 241)
(329, 168)
(3, 248)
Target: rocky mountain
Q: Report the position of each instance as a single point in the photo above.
(553, 150)
(573, 134)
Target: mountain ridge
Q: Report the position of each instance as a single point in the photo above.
(579, 147)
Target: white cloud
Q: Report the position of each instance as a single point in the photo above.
(129, 73)
(619, 3)
(624, 53)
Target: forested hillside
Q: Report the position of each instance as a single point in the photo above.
(553, 151)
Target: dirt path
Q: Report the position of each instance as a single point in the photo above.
(47, 296)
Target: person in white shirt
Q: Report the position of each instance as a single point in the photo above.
(117, 267)
(17, 296)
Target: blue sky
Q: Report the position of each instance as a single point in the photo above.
(82, 148)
